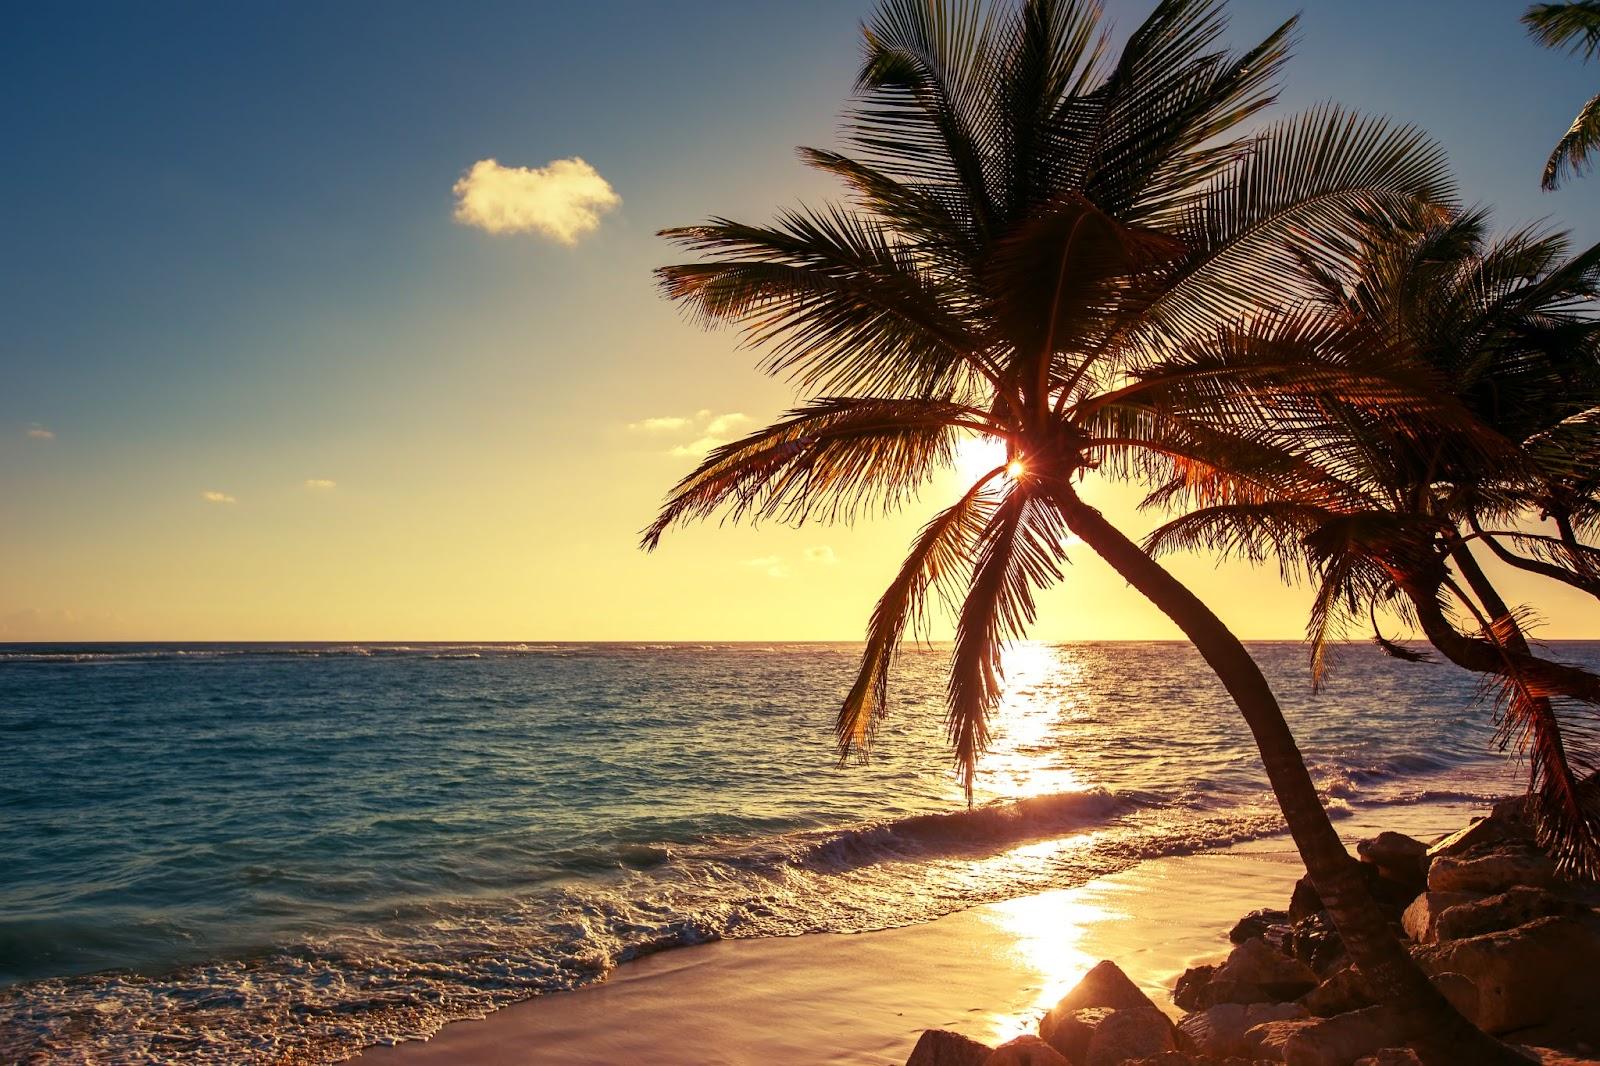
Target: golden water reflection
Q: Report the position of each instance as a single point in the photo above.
(1032, 730)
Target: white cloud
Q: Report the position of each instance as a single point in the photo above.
(821, 554)
(660, 425)
(710, 430)
(213, 496)
(320, 484)
(562, 200)
(38, 432)
(772, 564)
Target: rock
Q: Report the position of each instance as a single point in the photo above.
(1421, 919)
(1254, 973)
(940, 1047)
(1304, 901)
(1391, 1056)
(1130, 1033)
(1104, 986)
(1514, 907)
(1397, 857)
(1069, 1032)
(1025, 1051)
(1262, 923)
(1342, 991)
(1507, 822)
(1526, 976)
(1315, 942)
(1191, 990)
(1496, 868)
(1550, 1057)
(1219, 1031)
(1336, 1041)
(1459, 990)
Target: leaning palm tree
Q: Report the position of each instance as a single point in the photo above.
(1029, 220)
(1504, 329)
(1575, 26)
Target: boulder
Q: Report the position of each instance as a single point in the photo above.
(1530, 975)
(1304, 900)
(1391, 1056)
(1336, 1041)
(1265, 923)
(1104, 986)
(1025, 1051)
(1514, 907)
(1459, 990)
(1315, 942)
(1397, 856)
(1254, 973)
(1342, 991)
(1219, 1031)
(940, 1047)
(1507, 822)
(1421, 919)
(1492, 869)
(1069, 1032)
(1130, 1033)
(1192, 990)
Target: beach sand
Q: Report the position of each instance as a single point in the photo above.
(988, 972)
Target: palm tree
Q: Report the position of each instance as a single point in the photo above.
(1576, 26)
(1503, 329)
(1029, 219)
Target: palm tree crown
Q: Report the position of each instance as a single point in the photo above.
(1574, 26)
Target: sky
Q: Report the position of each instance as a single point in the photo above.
(336, 322)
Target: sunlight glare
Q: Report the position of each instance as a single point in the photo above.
(976, 456)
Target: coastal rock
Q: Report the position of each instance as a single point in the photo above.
(1254, 973)
(1315, 942)
(1304, 900)
(1104, 986)
(1191, 992)
(1514, 907)
(1526, 976)
(1336, 1041)
(1342, 991)
(1421, 919)
(940, 1047)
(1391, 1056)
(1025, 1051)
(1069, 1032)
(1397, 856)
(1493, 869)
(1219, 1031)
(1268, 924)
(1507, 822)
(1131, 1033)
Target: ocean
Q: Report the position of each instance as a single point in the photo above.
(283, 853)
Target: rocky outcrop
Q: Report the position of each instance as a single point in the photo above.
(1511, 908)
(1193, 989)
(1103, 986)
(1268, 924)
(1397, 857)
(1025, 1051)
(1525, 976)
(1421, 919)
(1336, 1041)
(1130, 1033)
(1255, 973)
(1070, 1032)
(1219, 1031)
(1492, 868)
(940, 1047)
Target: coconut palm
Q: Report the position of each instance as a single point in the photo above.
(1504, 329)
(1574, 26)
(1028, 220)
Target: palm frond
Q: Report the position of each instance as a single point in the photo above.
(1574, 25)
(943, 549)
(1571, 156)
(1018, 551)
(828, 460)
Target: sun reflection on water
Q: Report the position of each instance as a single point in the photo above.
(1033, 726)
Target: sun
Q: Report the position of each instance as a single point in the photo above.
(1015, 469)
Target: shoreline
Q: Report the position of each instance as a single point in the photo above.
(988, 972)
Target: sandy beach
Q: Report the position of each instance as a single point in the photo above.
(988, 972)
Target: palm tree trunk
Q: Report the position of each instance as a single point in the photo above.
(1443, 1035)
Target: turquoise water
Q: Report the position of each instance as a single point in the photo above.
(244, 853)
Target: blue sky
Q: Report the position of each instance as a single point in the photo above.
(228, 264)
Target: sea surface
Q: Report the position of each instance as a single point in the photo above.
(282, 853)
